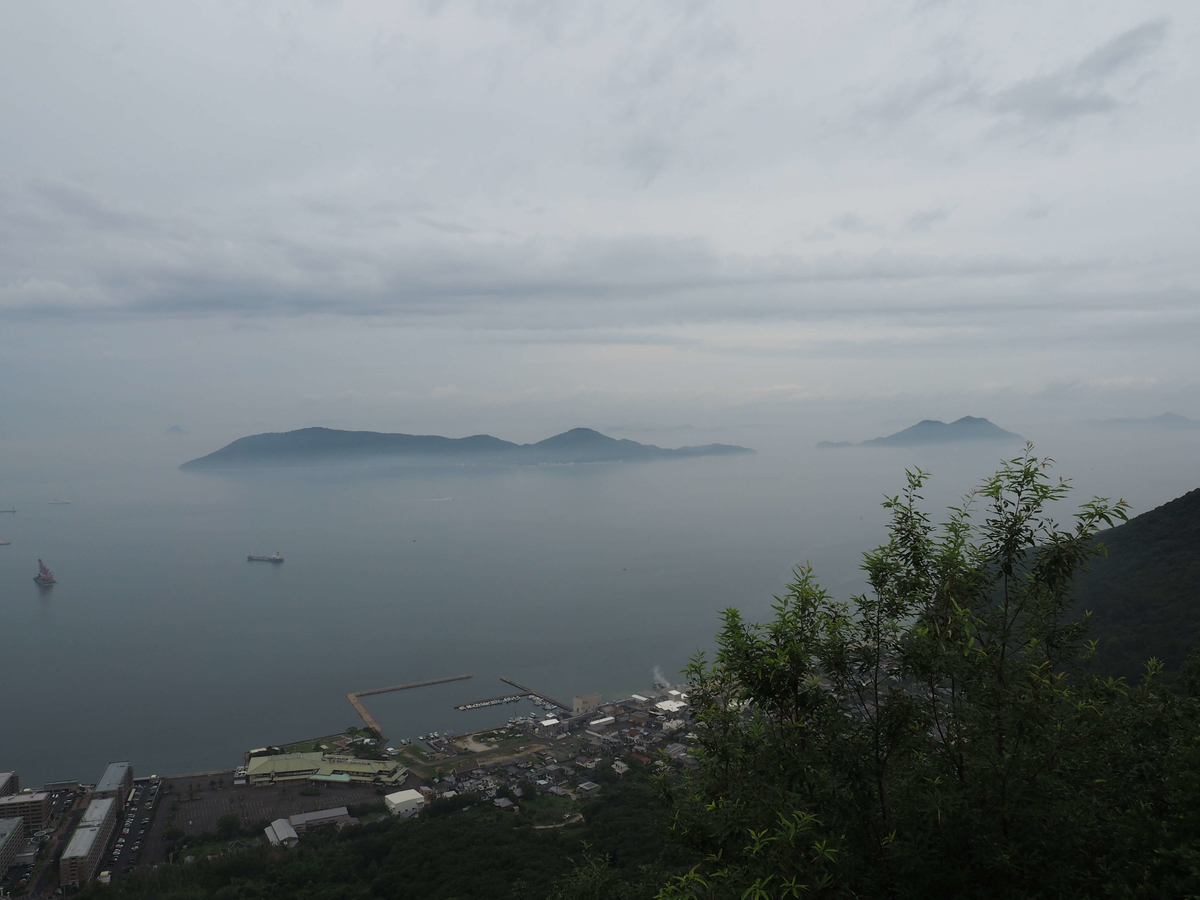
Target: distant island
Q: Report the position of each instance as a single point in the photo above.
(1166, 422)
(931, 431)
(327, 446)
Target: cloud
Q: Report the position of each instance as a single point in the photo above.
(925, 219)
(1083, 89)
(1088, 86)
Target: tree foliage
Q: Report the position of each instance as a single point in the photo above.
(940, 735)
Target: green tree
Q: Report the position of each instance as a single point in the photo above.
(228, 826)
(939, 735)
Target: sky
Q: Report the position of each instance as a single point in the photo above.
(681, 218)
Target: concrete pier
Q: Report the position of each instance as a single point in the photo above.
(527, 690)
(369, 720)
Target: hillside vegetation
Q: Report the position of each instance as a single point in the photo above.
(1145, 592)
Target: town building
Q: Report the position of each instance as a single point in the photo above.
(588, 703)
(117, 783)
(287, 767)
(338, 816)
(84, 851)
(281, 832)
(12, 835)
(404, 803)
(9, 783)
(32, 806)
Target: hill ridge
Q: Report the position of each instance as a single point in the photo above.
(319, 445)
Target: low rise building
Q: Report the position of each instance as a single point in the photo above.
(588, 703)
(12, 836)
(404, 803)
(285, 767)
(81, 859)
(117, 783)
(338, 816)
(32, 806)
(281, 832)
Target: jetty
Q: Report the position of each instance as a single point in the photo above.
(369, 720)
(492, 701)
(534, 693)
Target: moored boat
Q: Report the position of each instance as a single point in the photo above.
(276, 557)
(44, 577)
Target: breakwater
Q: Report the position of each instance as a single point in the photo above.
(369, 720)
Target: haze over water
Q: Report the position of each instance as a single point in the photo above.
(162, 645)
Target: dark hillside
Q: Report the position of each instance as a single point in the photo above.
(1146, 593)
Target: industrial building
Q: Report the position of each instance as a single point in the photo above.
(281, 832)
(404, 803)
(34, 807)
(82, 857)
(339, 816)
(285, 767)
(117, 783)
(288, 831)
(12, 835)
(588, 703)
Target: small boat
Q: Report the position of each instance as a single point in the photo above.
(60, 502)
(11, 509)
(276, 557)
(4, 543)
(44, 577)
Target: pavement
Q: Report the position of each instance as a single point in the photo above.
(198, 811)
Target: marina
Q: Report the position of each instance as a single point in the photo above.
(369, 720)
(532, 693)
(492, 701)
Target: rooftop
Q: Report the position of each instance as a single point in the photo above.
(31, 797)
(319, 815)
(7, 827)
(97, 811)
(89, 829)
(114, 777)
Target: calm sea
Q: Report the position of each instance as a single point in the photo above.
(161, 644)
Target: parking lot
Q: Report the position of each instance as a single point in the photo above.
(131, 830)
(200, 801)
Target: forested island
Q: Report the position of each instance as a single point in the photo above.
(328, 446)
(950, 733)
(932, 431)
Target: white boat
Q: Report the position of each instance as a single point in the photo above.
(59, 503)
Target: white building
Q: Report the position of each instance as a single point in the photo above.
(281, 832)
(404, 803)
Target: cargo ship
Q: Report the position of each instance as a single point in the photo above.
(275, 558)
(44, 577)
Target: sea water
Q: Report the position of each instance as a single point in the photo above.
(162, 645)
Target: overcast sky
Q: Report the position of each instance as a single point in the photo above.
(518, 217)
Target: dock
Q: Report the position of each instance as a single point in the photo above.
(369, 720)
(534, 693)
